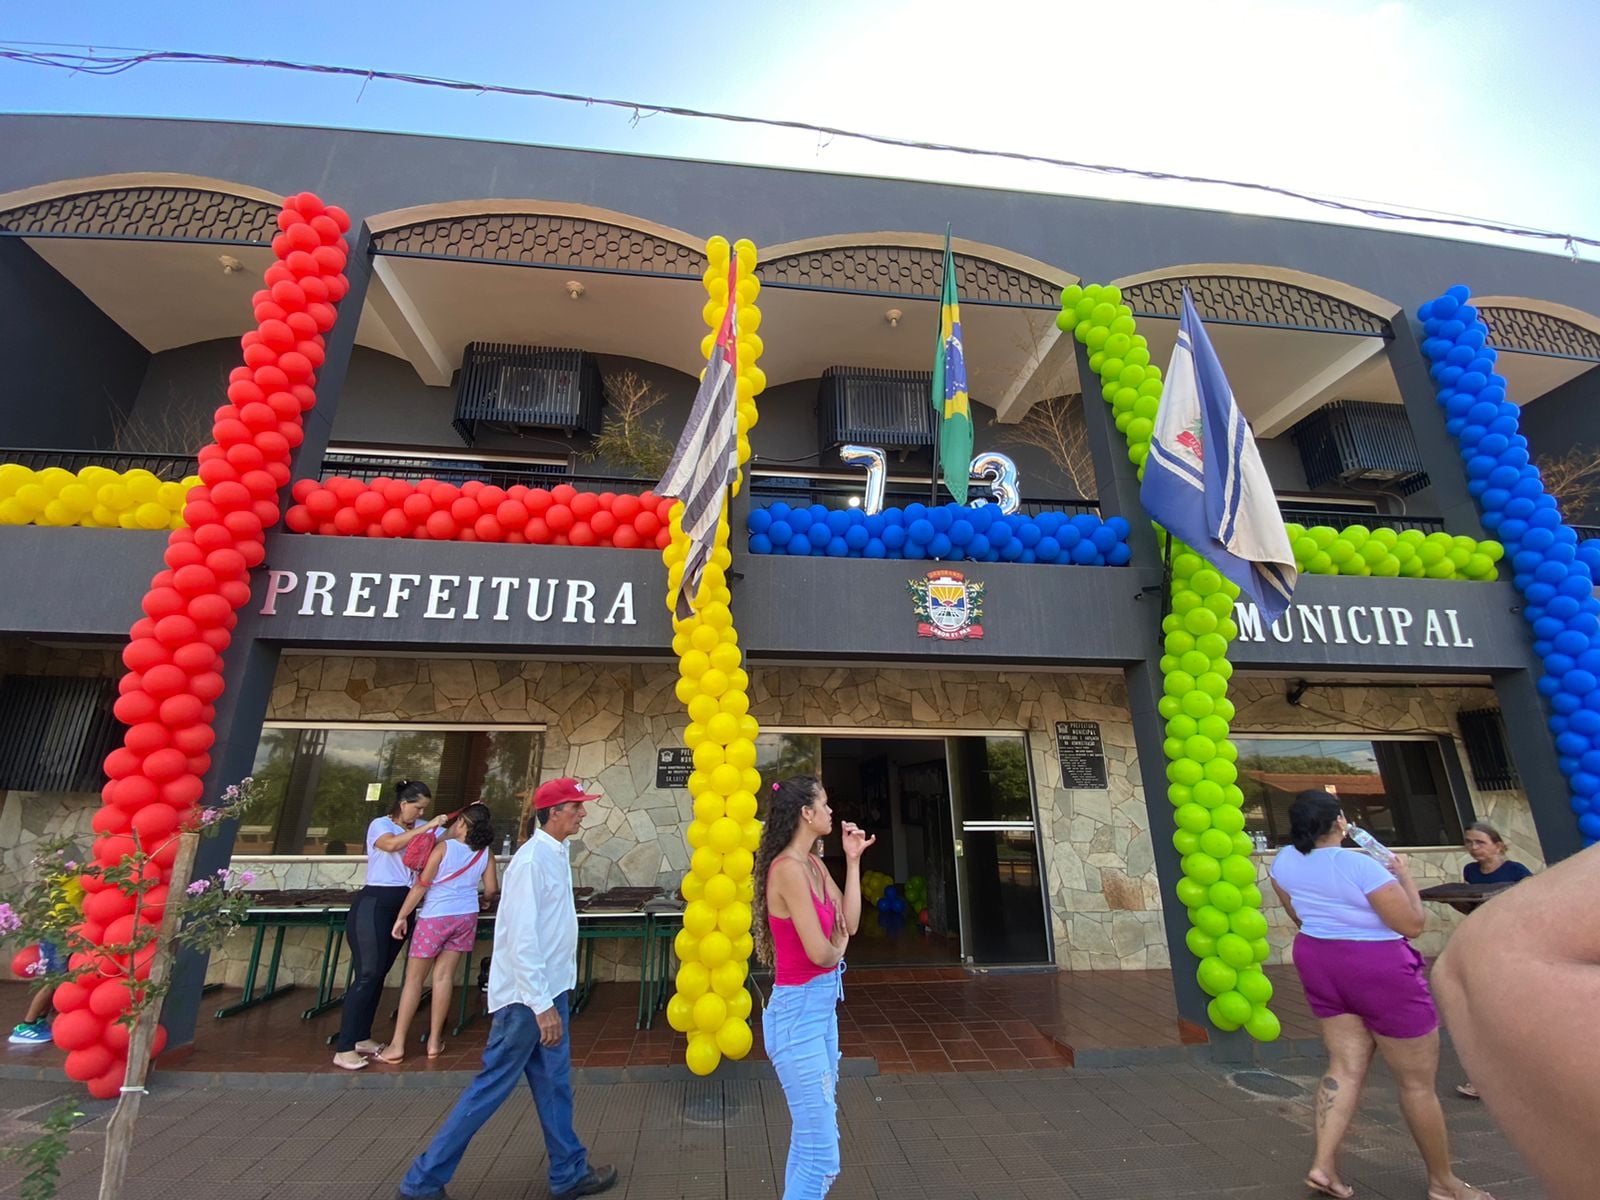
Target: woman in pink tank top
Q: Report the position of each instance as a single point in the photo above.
(802, 925)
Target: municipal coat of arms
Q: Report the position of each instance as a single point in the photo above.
(947, 606)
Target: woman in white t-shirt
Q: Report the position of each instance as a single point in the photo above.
(371, 917)
(1367, 986)
(447, 922)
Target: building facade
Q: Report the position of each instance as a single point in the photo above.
(1010, 771)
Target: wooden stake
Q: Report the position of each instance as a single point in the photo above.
(119, 1130)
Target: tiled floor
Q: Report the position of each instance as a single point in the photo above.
(908, 1020)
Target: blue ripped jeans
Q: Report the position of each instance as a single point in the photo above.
(800, 1027)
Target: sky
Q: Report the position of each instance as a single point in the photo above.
(1476, 108)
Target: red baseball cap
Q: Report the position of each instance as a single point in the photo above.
(561, 791)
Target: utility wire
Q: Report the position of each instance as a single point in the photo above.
(108, 65)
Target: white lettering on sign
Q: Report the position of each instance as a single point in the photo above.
(446, 597)
(1328, 624)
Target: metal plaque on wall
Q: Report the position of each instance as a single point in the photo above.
(1083, 756)
(673, 765)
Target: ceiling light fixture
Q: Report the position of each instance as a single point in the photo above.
(230, 264)
(893, 317)
(575, 289)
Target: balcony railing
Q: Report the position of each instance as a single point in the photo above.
(164, 466)
(1341, 518)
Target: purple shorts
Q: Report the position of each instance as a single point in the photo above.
(434, 934)
(1383, 983)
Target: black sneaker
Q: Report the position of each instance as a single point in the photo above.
(599, 1179)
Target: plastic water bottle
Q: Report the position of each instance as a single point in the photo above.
(1370, 844)
(505, 847)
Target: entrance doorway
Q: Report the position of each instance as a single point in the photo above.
(956, 834)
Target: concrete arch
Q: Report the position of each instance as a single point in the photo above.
(1522, 324)
(905, 262)
(1336, 300)
(61, 188)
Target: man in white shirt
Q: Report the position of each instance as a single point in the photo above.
(534, 967)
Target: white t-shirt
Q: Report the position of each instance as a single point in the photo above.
(386, 868)
(459, 896)
(1329, 888)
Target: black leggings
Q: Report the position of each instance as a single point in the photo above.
(373, 950)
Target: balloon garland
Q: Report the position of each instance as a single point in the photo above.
(93, 497)
(1553, 573)
(710, 1002)
(479, 512)
(951, 532)
(1406, 553)
(1228, 932)
(174, 654)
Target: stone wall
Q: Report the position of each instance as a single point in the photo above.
(1331, 712)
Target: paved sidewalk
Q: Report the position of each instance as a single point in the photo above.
(1142, 1133)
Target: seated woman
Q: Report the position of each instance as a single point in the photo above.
(1489, 865)
(1489, 862)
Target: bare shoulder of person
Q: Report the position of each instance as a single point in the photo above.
(785, 881)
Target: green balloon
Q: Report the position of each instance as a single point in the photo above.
(1168, 664)
(1117, 344)
(1209, 919)
(1234, 1006)
(1181, 641)
(1263, 1025)
(1195, 663)
(1185, 771)
(1178, 683)
(1224, 708)
(1215, 840)
(1185, 563)
(1140, 428)
(1207, 793)
(1185, 842)
(1224, 896)
(1214, 727)
(1206, 581)
(1200, 943)
(1198, 620)
(1248, 923)
(1221, 603)
(1179, 794)
(1197, 704)
(1202, 868)
(1325, 535)
(1226, 818)
(1251, 894)
(1168, 706)
(1212, 645)
(1239, 870)
(1253, 983)
(1261, 948)
(1232, 796)
(1216, 977)
(1212, 684)
(1193, 817)
(1220, 1021)
(1173, 749)
(1305, 549)
(1182, 726)
(1201, 749)
(1321, 564)
(1235, 951)
(1221, 772)
(1190, 894)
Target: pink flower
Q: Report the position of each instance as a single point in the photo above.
(210, 816)
(9, 921)
(198, 886)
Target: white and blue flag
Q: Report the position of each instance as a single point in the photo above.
(1204, 482)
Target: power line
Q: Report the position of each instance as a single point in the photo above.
(109, 65)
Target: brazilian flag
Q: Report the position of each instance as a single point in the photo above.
(950, 388)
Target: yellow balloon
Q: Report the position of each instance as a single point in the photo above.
(692, 887)
(728, 779)
(752, 836)
(733, 918)
(716, 948)
(708, 807)
(693, 665)
(699, 918)
(723, 728)
(35, 495)
(142, 486)
(702, 709)
(741, 807)
(713, 682)
(734, 1039)
(710, 1011)
(702, 1056)
(171, 495)
(744, 945)
(680, 1013)
(717, 252)
(77, 497)
(726, 656)
(706, 862)
(720, 891)
(697, 834)
(747, 893)
(685, 945)
(728, 979)
(705, 638)
(740, 753)
(749, 318)
(726, 834)
(717, 616)
(694, 980)
(737, 863)
(739, 1005)
(750, 781)
(693, 734)
(708, 756)
(738, 703)
(686, 690)
(13, 476)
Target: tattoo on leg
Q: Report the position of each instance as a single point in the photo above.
(1325, 1097)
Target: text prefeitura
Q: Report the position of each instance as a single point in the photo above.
(447, 597)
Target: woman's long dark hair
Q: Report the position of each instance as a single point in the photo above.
(1311, 817)
(784, 803)
(407, 789)
(480, 826)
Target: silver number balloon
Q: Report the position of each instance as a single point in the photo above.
(997, 472)
(876, 464)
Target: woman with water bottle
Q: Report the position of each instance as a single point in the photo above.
(1355, 910)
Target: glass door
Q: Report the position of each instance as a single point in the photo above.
(1001, 883)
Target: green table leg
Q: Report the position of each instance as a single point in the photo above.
(272, 990)
(332, 950)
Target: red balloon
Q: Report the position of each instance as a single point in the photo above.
(417, 508)
(647, 524)
(207, 612)
(180, 711)
(339, 216)
(91, 882)
(245, 391)
(106, 906)
(182, 554)
(122, 763)
(153, 904)
(625, 537)
(236, 592)
(246, 526)
(370, 505)
(325, 315)
(490, 497)
(584, 505)
(193, 579)
(135, 791)
(121, 931)
(24, 962)
(464, 510)
(134, 707)
(511, 514)
(147, 737)
(163, 765)
(538, 501)
(108, 819)
(563, 493)
(537, 531)
(165, 680)
(441, 526)
(185, 790)
(217, 639)
(625, 508)
(89, 1063)
(115, 1036)
(260, 356)
(111, 999)
(488, 529)
(347, 522)
(207, 686)
(663, 538)
(582, 534)
(194, 658)
(69, 997)
(604, 525)
(162, 602)
(177, 630)
(76, 1029)
(559, 517)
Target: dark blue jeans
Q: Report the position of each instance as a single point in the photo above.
(513, 1052)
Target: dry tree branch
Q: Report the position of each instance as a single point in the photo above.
(1056, 426)
(1573, 478)
(628, 438)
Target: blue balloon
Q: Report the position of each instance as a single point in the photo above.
(1570, 641)
(760, 520)
(1119, 526)
(760, 543)
(1572, 743)
(1011, 551)
(915, 512)
(799, 546)
(1085, 553)
(1068, 536)
(875, 524)
(1048, 550)
(1000, 535)
(1548, 627)
(982, 517)
(1562, 608)
(940, 546)
(960, 533)
(838, 521)
(1548, 685)
(920, 532)
(1585, 721)
(1028, 534)
(1120, 555)
(979, 549)
(1576, 583)
(819, 534)
(1087, 523)
(894, 537)
(1559, 664)
(941, 518)
(780, 533)
(1578, 681)
(1049, 523)
(874, 549)
(1103, 539)
(1589, 824)
(856, 537)
(800, 520)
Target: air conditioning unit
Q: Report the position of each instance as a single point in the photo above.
(875, 408)
(1358, 444)
(516, 388)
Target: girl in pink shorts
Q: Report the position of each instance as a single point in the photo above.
(447, 922)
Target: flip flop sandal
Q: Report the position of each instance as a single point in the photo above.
(1468, 1090)
(349, 1066)
(1327, 1189)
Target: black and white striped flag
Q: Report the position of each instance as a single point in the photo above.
(707, 457)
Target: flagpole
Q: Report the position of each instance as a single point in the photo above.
(938, 354)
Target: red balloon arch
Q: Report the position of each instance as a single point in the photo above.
(174, 654)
